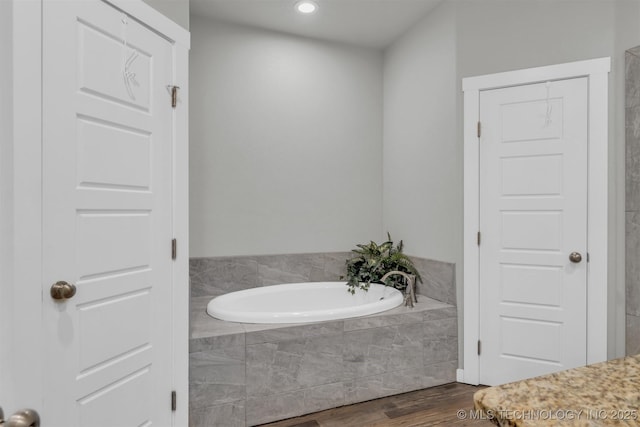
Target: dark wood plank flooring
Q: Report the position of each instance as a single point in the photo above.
(436, 406)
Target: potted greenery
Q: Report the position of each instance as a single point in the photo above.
(372, 261)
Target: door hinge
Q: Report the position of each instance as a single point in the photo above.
(478, 347)
(479, 129)
(587, 256)
(174, 96)
(174, 401)
(479, 238)
(174, 249)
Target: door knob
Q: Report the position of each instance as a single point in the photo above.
(62, 290)
(575, 257)
(24, 418)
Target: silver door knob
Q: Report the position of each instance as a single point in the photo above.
(23, 418)
(575, 257)
(62, 290)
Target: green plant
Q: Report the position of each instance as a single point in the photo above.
(372, 261)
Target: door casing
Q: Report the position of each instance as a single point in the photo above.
(596, 70)
(22, 359)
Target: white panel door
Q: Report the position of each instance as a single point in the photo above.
(107, 167)
(533, 215)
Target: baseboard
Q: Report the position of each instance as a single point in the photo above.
(460, 375)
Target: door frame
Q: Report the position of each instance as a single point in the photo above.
(597, 72)
(21, 206)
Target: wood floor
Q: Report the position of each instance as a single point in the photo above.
(437, 406)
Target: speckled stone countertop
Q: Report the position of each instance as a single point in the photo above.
(602, 394)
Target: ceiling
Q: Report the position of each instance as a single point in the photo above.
(370, 23)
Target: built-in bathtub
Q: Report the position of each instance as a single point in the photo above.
(303, 303)
(245, 374)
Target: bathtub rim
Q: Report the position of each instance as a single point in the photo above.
(264, 317)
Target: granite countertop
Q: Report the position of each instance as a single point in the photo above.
(602, 394)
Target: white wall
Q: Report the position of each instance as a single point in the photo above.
(286, 143)
(6, 235)
(176, 10)
(423, 180)
(422, 156)
(502, 35)
(20, 187)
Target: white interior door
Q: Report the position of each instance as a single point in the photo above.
(107, 147)
(533, 215)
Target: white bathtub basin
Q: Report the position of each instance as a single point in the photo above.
(302, 303)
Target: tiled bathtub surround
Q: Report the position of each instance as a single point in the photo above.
(244, 374)
(216, 276)
(439, 279)
(632, 260)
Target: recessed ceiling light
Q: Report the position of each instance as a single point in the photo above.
(306, 6)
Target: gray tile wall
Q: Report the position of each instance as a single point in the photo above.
(439, 279)
(216, 276)
(632, 261)
(258, 376)
(219, 275)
